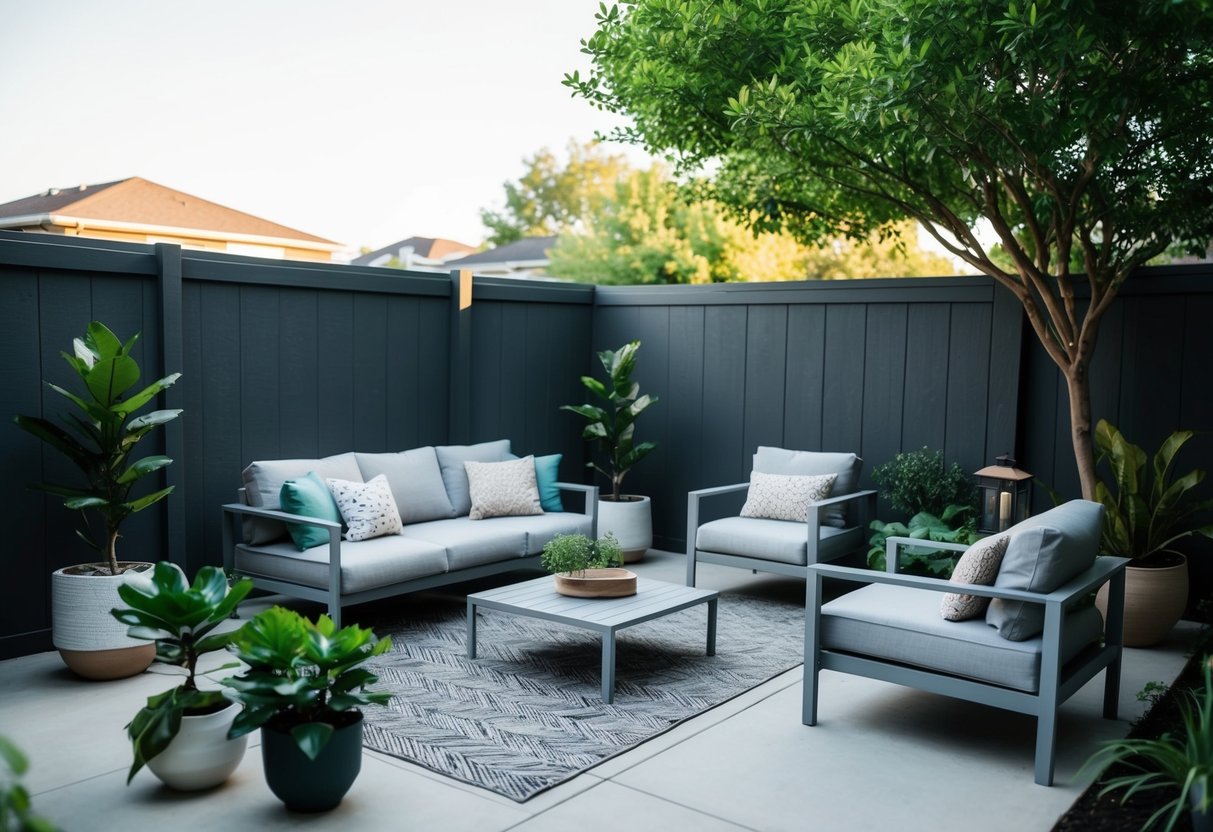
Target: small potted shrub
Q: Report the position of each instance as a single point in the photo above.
(303, 688)
(587, 568)
(181, 734)
(100, 440)
(612, 426)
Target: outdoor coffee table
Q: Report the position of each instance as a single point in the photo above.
(539, 599)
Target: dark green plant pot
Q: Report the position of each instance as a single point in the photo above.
(312, 785)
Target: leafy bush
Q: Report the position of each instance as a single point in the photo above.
(917, 481)
(577, 553)
(955, 525)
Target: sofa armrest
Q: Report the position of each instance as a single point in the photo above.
(286, 517)
(591, 502)
(232, 513)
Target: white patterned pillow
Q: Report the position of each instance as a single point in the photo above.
(785, 497)
(503, 489)
(978, 565)
(368, 508)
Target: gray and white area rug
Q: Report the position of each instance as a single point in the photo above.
(527, 714)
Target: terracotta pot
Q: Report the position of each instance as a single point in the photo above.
(92, 642)
(1155, 598)
(200, 756)
(631, 522)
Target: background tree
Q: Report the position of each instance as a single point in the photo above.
(1072, 126)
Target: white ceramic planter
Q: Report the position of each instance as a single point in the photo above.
(200, 756)
(631, 522)
(92, 642)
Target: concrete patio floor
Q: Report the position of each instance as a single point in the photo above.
(882, 757)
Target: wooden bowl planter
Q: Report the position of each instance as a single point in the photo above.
(597, 583)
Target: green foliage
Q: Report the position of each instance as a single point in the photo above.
(613, 425)
(1064, 127)
(16, 814)
(101, 438)
(1150, 510)
(955, 524)
(301, 675)
(179, 618)
(915, 481)
(577, 553)
(1169, 761)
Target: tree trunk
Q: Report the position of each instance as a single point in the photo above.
(111, 552)
(1079, 388)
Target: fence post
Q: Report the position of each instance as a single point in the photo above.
(1005, 375)
(460, 425)
(172, 359)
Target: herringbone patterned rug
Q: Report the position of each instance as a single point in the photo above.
(527, 714)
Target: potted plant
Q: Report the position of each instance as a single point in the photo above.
(1145, 514)
(16, 812)
(612, 426)
(100, 440)
(181, 734)
(303, 688)
(587, 568)
(1170, 762)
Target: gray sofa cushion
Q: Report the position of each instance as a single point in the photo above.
(263, 482)
(1044, 552)
(901, 624)
(808, 463)
(366, 564)
(777, 540)
(540, 528)
(472, 542)
(455, 478)
(415, 480)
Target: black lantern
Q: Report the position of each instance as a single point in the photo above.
(1005, 495)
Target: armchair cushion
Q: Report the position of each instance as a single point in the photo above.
(978, 565)
(845, 466)
(777, 540)
(784, 496)
(902, 624)
(415, 480)
(1044, 552)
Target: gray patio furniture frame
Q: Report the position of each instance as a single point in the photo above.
(812, 524)
(332, 595)
(1056, 683)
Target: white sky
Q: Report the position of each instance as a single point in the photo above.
(363, 121)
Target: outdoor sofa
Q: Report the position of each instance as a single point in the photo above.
(439, 543)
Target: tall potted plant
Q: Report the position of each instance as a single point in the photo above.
(181, 734)
(1145, 514)
(303, 688)
(612, 426)
(100, 440)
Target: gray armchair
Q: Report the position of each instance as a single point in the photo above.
(891, 629)
(834, 526)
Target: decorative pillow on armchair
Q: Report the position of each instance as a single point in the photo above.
(503, 489)
(846, 466)
(368, 508)
(785, 497)
(978, 565)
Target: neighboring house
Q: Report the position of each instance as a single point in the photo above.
(139, 211)
(527, 257)
(418, 253)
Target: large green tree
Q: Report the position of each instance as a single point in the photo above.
(1072, 126)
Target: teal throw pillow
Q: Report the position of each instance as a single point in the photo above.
(310, 497)
(547, 472)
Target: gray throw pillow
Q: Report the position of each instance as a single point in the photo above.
(1044, 552)
(455, 478)
(415, 480)
(813, 463)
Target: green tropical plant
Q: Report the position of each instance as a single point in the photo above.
(16, 814)
(915, 481)
(1169, 761)
(577, 553)
(613, 425)
(955, 524)
(1150, 510)
(101, 439)
(303, 677)
(179, 618)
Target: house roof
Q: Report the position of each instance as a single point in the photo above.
(431, 248)
(526, 250)
(138, 201)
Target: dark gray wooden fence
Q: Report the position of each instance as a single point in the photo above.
(283, 359)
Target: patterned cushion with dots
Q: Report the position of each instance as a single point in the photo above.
(368, 508)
